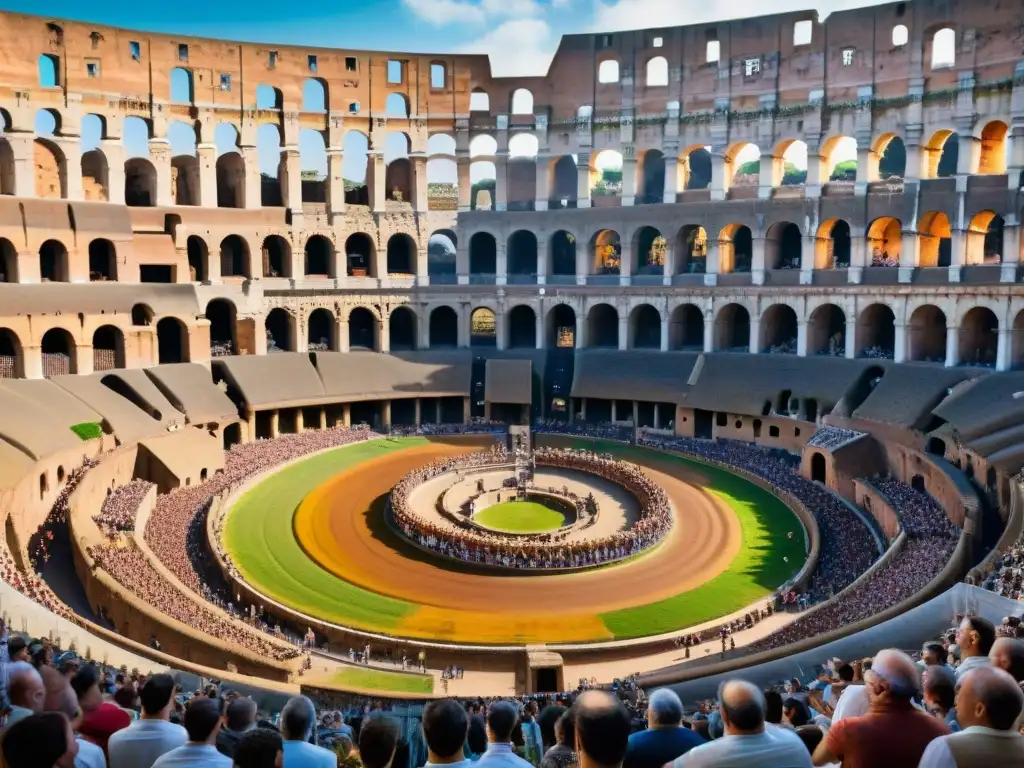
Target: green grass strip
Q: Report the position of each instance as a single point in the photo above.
(88, 430)
(520, 517)
(756, 571)
(381, 680)
(259, 536)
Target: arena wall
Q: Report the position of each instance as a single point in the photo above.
(878, 507)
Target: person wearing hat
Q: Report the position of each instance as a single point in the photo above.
(67, 663)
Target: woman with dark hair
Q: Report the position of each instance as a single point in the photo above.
(546, 720)
(563, 754)
(476, 737)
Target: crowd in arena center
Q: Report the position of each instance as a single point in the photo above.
(457, 538)
(958, 703)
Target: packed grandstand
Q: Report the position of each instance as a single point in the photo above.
(232, 402)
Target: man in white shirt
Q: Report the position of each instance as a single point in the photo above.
(445, 724)
(988, 704)
(502, 717)
(974, 638)
(152, 735)
(297, 720)
(747, 743)
(202, 722)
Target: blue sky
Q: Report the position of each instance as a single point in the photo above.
(519, 36)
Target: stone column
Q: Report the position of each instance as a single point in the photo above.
(32, 361)
(801, 338)
(71, 146)
(851, 339)
(768, 175)
(757, 260)
(657, 416)
(542, 192)
(867, 168)
(583, 408)
(953, 346)
(377, 182)
(323, 418)
(628, 181)
(501, 181)
(858, 256)
(636, 412)
(664, 333)
(113, 150)
(583, 180)
(466, 410)
(462, 166)
(160, 156)
(1003, 349)
(814, 181)
(206, 155)
(671, 178)
(346, 414)
(335, 180)
(384, 334)
(899, 352)
(23, 149)
(501, 262)
(712, 263)
(709, 333)
(627, 263)
(539, 330)
(719, 185)
(293, 172)
(500, 329)
(808, 244)
(250, 424)
(341, 325)
(253, 180)
(755, 335)
(385, 415)
(624, 332)
(275, 423)
(300, 425)
(615, 415)
(420, 201)
(1011, 248)
(419, 412)
(908, 255)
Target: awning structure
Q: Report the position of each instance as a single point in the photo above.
(508, 381)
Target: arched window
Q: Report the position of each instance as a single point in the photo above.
(181, 86)
(900, 35)
(49, 71)
(608, 71)
(522, 102)
(944, 48)
(479, 101)
(657, 72)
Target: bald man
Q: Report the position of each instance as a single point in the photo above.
(25, 691)
(60, 697)
(1008, 655)
(748, 742)
(893, 734)
(988, 702)
(602, 730)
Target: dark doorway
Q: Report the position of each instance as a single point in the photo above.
(547, 680)
(702, 424)
(818, 468)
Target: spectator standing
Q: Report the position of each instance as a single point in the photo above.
(378, 742)
(547, 719)
(152, 735)
(61, 698)
(502, 718)
(297, 720)
(893, 734)
(1008, 654)
(41, 740)
(259, 748)
(25, 691)
(531, 733)
(100, 719)
(989, 701)
(239, 718)
(975, 638)
(202, 723)
(665, 738)
(748, 742)
(476, 738)
(939, 687)
(602, 730)
(934, 654)
(445, 727)
(563, 754)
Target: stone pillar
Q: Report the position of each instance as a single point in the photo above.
(636, 412)
(501, 262)
(1011, 248)
(1003, 349)
(851, 339)
(419, 412)
(275, 422)
(32, 362)
(293, 172)
(908, 255)
(341, 326)
(953, 346)
(539, 332)
(253, 180)
(583, 180)
(71, 146)
(867, 166)
(624, 332)
(437, 411)
(543, 258)
(251, 426)
(384, 334)
(300, 425)
(420, 201)
(462, 164)
(719, 185)
(385, 414)
(709, 333)
(627, 263)
(346, 414)
(377, 182)
(500, 328)
(323, 418)
(501, 181)
(814, 180)
(615, 415)
(801, 338)
(712, 263)
(335, 182)
(808, 244)
(113, 150)
(628, 181)
(464, 320)
(84, 359)
(767, 177)
(207, 158)
(160, 156)
(23, 149)
(657, 416)
(757, 260)
(583, 408)
(671, 178)
(581, 332)
(957, 253)
(755, 335)
(664, 333)
(858, 256)
(466, 410)
(542, 192)
(899, 352)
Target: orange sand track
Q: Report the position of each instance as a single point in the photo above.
(339, 525)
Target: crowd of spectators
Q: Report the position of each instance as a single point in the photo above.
(474, 427)
(1007, 575)
(121, 507)
(461, 540)
(595, 430)
(830, 438)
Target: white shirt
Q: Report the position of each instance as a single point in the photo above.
(853, 702)
(302, 754)
(89, 755)
(774, 748)
(500, 756)
(141, 743)
(938, 755)
(194, 756)
(972, 662)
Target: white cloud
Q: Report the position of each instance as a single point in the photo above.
(640, 14)
(511, 9)
(522, 47)
(443, 12)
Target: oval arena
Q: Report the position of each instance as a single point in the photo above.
(703, 359)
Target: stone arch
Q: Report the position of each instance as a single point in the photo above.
(140, 183)
(560, 327)
(11, 360)
(317, 257)
(277, 256)
(363, 329)
(360, 255)
(102, 260)
(832, 246)
(778, 329)
(198, 259)
(60, 353)
(876, 332)
(223, 327)
(523, 145)
(735, 249)
(644, 327)
(885, 241)
(182, 89)
(269, 97)
(315, 95)
(522, 254)
(742, 165)
(889, 158)
(280, 328)
(312, 166)
(270, 164)
(732, 329)
(818, 469)
(442, 249)
(826, 331)
(606, 174)
(992, 158)
(603, 326)
(606, 247)
(234, 257)
(1017, 341)
(833, 167)
(95, 175)
(686, 328)
(107, 348)
(783, 246)
(941, 154)
(934, 238)
(185, 188)
(320, 331)
(51, 169)
(978, 340)
(396, 105)
(985, 238)
(563, 254)
(926, 334)
(695, 168)
(522, 327)
(9, 268)
(402, 329)
(142, 315)
(522, 102)
(401, 255)
(7, 183)
(483, 328)
(483, 254)
(399, 180)
(479, 101)
(691, 250)
(649, 250)
(444, 328)
(656, 72)
(650, 174)
(563, 182)
(172, 341)
(54, 266)
(608, 71)
(786, 162)
(231, 180)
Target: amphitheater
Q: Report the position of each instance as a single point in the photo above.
(212, 378)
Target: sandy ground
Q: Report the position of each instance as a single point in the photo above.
(346, 512)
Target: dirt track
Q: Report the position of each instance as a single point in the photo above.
(339, 524)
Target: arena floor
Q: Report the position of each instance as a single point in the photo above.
(313, 536)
